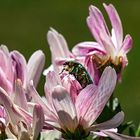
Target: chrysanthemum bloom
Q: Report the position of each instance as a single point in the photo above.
(20, 123)
(75, 116)
(110, 49)
(13, 66)
(15, 75)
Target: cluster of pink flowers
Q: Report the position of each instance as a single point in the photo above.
(78, 85)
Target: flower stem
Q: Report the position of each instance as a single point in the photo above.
(111, 102)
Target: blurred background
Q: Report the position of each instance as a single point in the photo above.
(24, 24)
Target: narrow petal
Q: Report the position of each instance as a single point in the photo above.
(57, 44)
(102, 134)
(2, 112)
(4, 58)
(4, 49)
(19, 63)
(35, 66)
(19, 97)
(112, 123)
(127, 44)
(5, 83)
(65, 108)
(13, 115)
(6, 63)
(89, 65)
(117, 136)
(26, 115)
(84, 100)
(116, 23)
(97, 25)
(58, 47)
(52, 80)
(97, 100)
(38, 120)
(106, 87)
(72, 85)
(84, 48)
(37, 99)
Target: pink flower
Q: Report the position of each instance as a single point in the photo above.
(73, 112)
(13, 66)
(75, 118)
(15, 75)
(110, 48)
(20, 123)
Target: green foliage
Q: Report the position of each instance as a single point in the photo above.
(3, 136)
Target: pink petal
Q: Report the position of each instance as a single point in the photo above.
(19, 64)
(99, 97)
(84, 101)
(5, 83)
(37, 99)
(2, 112)
(19, 96)
(52, 80)
(102, 134)
(91, 69)
(3, 63)
(13, 114)
(38, 120)
(117, 136)
(106, 87)
(65, 108)
(97, 25)
(112, 123)
(6, 63)
(84, 48)
(25, 115)
(4, 49)
(127, 44)
(35, 66)
(116, 23)
(58, 45)
(72, 85)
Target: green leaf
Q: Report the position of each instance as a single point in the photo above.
(124, 126)
(132, 130)
(138, 131)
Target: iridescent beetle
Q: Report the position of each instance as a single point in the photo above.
(78, 71)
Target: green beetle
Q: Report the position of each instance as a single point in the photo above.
(78, 71)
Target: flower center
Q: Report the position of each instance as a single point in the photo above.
(101, 62)
(78, 134)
